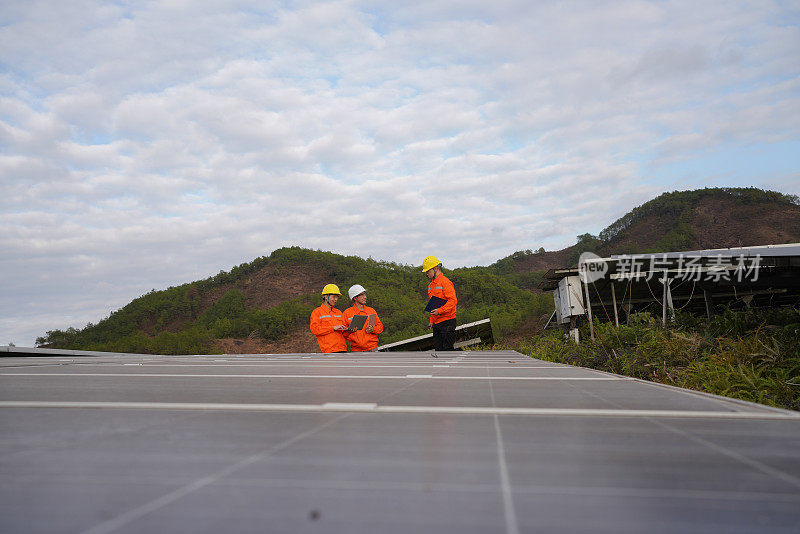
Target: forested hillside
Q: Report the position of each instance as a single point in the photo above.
(268, 301)
(264, 305)
(681, 220)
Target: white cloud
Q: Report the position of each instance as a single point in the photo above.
(149, 144)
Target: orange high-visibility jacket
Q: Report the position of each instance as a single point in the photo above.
(442, 287)
(323, 319)
(361, 340)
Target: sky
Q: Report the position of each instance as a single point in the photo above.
(148, 144)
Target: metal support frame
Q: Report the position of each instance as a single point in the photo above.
(667, 307)
(776, 266)
(625, 306)
(550, 320)
(574, 333)
(588, 307)
(664, 299)
(709, 300)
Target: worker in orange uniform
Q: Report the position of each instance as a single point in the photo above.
(443, 319)
(365, 339)
(327, 322)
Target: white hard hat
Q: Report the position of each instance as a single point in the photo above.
(356, 290)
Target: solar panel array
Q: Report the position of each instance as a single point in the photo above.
(381, 442)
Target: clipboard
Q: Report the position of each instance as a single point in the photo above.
(357, 322)
(435, 303)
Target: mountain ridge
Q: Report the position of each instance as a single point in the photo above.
(263, 306)
(687, 220)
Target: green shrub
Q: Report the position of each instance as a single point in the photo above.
(751, 355)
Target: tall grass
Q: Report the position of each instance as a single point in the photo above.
(752, 355)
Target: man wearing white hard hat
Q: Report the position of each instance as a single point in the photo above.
(366, 338)
(442, 319)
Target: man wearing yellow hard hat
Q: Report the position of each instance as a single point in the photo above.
(443, 319)
(327, 322)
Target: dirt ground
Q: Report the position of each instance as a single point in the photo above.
(530, 327)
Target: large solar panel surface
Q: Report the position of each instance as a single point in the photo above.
(384, 442)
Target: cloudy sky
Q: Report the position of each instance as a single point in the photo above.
(147, 144)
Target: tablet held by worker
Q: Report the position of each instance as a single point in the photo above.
(357, 322)
(435, 302)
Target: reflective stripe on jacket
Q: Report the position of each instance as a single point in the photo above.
(323, 319)
(361, 340)
(442, 287)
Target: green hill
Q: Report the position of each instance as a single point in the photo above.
(264, 305)
(716, 217)
(187, 319)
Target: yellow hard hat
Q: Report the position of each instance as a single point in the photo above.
(429, 263)
(331, 289)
